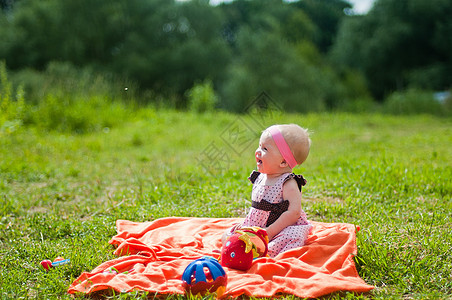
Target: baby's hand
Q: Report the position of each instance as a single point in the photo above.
(230, 232)
(236, 227)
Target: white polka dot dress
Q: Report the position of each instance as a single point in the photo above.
(292, 236)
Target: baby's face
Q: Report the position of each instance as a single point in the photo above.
(268, 158)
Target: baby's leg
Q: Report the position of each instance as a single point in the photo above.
(289, 238)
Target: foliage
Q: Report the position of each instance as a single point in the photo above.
(326, 15)
(399, 44)
(277, 70)
(296, 75)
(78, 115)
(12, 107)
(64, 99)
(414, 101)
(167, 46)
(355, 95)
(64, 78)
(298, 27)
(61, 194)
(202, 97)
(160, 44)
(79, 101)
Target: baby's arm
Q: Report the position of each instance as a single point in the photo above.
(289, 217)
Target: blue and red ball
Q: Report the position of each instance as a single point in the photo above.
(204, 276)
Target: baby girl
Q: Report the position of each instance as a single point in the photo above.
(276, 195)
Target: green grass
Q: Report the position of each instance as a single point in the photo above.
(60, 194)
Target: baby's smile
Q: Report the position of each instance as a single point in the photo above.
(258, 160)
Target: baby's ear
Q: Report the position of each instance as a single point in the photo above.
(283, 164)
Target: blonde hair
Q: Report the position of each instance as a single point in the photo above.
(298, 140)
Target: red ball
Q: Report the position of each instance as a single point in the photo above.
(46, 264)
(243, 246)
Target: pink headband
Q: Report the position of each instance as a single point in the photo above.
(282, 146)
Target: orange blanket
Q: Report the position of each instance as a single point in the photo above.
(153, 256)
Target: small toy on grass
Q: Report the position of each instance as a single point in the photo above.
(47, 264)
(204, 276)
(243, 246)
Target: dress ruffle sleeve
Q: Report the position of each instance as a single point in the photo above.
(298, 178)
(253, 176)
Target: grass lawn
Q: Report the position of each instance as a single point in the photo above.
(61, 194)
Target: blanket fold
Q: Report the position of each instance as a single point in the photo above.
(153, 255)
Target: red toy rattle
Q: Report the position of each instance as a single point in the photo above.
(243, 246)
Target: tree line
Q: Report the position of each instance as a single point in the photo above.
(309, 55)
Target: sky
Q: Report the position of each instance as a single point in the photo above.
(361, 6)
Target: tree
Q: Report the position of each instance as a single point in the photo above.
(398, 44)
(7, 5)
(81, 32)
(267, 63)
(164, 45)
(298, 27)
(326, 15)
